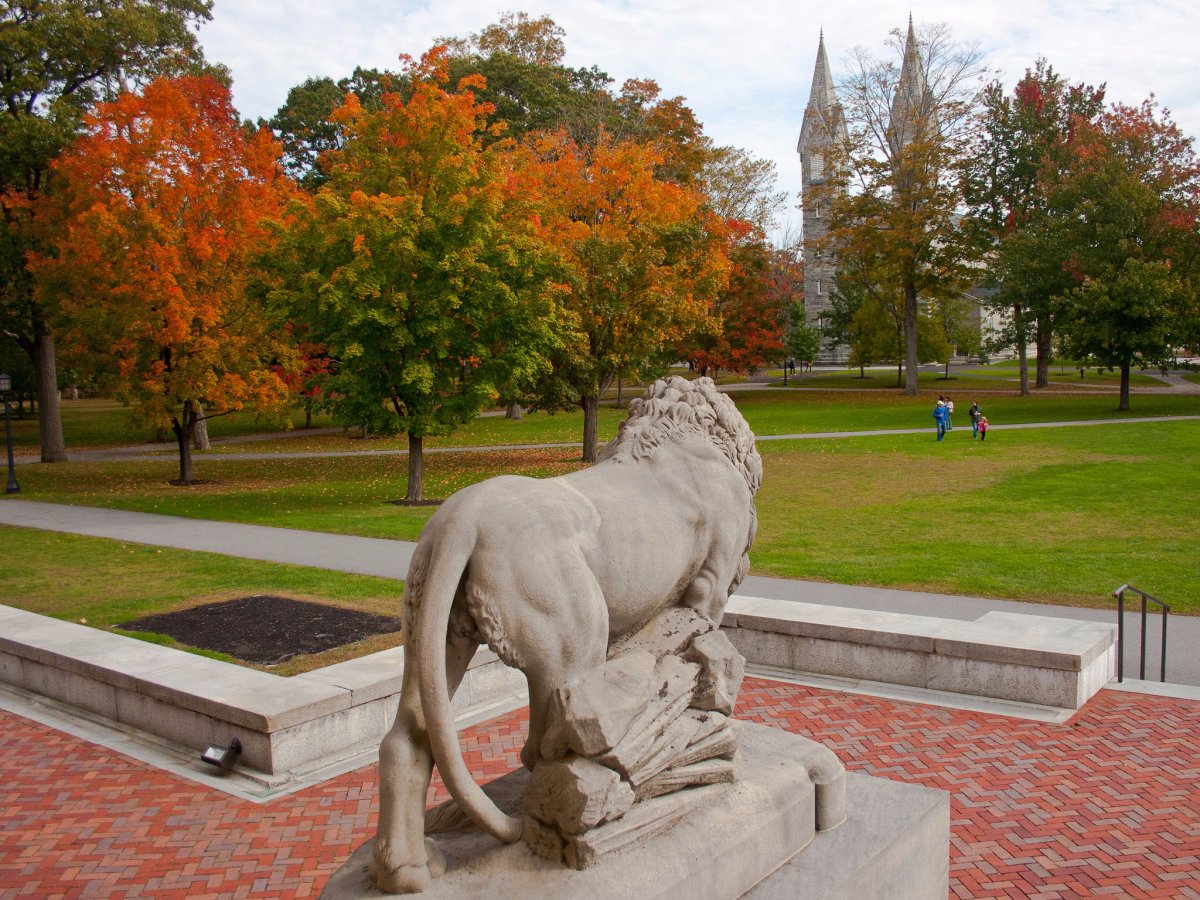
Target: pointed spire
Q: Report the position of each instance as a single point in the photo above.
(822, 93)
(912, 106)
(823, 117)
(912, 73)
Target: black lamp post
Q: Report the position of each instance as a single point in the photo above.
(5, 387)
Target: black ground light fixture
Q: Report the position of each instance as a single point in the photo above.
(5, 388)
(222, 757)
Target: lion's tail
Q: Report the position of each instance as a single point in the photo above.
(433, 617)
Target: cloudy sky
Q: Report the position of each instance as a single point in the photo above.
(744, 67)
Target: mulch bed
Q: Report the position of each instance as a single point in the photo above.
(264, 629)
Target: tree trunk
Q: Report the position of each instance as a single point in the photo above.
(200, 432)
(618, 392)
(1022, 355)
(1043, 352)
(416, 467)
(947, 368)
(45, 380)
(1124, 404)
(911, 385)
(591, 406)
(183, 437)
(308, 412)
(514, 411)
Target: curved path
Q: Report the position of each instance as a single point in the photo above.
(389, 559)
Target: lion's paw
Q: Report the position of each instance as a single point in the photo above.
(408, 879)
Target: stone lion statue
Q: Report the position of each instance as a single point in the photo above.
(548, 573)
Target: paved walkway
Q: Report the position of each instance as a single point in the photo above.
(389, 559)
(1106, 803)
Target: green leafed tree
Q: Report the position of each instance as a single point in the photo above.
(803, 341)
(415, 266)
(57, 58)
(1023, 139)
(1125, 210)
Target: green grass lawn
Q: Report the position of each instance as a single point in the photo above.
(345, 495)
(103, 583)
(1065, 374)
(90, 424)
(533, 428)
(1059, 516)
(1054, 515)
(991, 378)
(794, 412)
(767, 411)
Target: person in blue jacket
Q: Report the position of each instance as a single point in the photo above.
(939, 417)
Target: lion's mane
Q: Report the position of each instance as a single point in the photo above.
(677, 408)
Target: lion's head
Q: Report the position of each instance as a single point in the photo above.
(674, 407)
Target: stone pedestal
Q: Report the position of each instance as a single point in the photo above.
(760, 832)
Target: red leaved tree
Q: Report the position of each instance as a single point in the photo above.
(161, 207)
(753, 315)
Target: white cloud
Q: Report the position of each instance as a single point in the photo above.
(744, 68)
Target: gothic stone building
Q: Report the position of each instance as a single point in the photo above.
(823, 127)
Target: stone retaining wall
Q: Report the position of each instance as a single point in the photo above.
(288, 726)
(1007, 656)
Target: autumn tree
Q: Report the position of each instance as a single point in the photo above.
(162, 205)
(1023, 139)
(750, 325)
(752, 314)
(643, 260)
(1125, 209)
(415, 266)
(57, 58)
(891, 193)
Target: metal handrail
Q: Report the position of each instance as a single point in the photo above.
(1119, 594)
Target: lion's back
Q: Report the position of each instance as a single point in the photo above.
(511, 511)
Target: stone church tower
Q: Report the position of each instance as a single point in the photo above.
(824, 126)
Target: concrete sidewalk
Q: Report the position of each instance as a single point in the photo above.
(389, 559)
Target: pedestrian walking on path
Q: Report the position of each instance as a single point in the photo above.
(976, 414)
(939, 418)
(949, 414)
(983, 427)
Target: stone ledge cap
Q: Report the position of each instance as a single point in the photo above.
(900, 631)
(1051, 643)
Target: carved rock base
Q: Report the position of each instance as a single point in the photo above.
(728, 842)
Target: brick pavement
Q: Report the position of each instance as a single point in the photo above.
(1105, 804)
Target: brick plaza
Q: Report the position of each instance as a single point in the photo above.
(1107, 803)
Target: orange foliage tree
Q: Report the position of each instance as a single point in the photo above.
(161, 208)
(642, 259)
